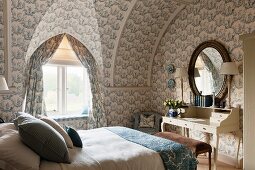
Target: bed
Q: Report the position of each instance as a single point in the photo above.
(118, 148)
(104, 149)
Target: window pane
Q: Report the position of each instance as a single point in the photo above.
(50, 89)
(77, 96)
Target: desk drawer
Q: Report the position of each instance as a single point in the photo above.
(172, 121)
(186, 124)
(219, 115)
(205, 128)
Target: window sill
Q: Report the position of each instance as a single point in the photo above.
(69, 117)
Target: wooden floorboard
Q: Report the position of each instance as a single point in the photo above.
(203, 164)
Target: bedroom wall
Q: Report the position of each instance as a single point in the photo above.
(220, 20)
(134, 42)
(108, 29)
(1, 38)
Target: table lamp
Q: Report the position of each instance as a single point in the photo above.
(181, 73)
(229, 69)
(3, 84)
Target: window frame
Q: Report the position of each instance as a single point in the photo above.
(62, 92)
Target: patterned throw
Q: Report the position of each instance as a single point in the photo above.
(175, 156)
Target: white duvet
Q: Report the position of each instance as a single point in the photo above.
(104, 150)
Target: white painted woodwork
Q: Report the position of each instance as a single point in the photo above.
(209, 120)
(249, 96)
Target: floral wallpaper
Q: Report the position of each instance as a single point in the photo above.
(220, 20)
(121, 104)
(132, 41)
(138, 39)
(1, 38)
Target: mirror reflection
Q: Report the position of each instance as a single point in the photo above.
(206, 72)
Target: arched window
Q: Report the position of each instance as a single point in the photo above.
(67, 73)
(66, 84)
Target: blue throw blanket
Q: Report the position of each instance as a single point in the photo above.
(174, 155)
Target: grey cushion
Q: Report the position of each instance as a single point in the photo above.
(43, 139)
(17, 114)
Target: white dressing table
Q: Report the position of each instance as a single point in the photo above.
(209, 120)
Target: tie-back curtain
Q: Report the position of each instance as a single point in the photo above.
(34, 76)
(97, 117)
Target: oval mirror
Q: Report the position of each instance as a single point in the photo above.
(204, 67)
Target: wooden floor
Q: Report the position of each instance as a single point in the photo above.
(203, 164)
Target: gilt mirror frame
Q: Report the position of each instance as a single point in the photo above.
(225, 57)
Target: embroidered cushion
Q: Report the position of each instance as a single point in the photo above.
(147, 122)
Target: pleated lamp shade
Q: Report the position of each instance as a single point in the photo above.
(229, 68)
(3, 84)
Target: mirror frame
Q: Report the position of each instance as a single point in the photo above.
(225, 57)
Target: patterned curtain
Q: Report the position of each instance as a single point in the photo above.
(210, 67)
(97, 117)
(34, 76)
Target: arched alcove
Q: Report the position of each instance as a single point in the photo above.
(78, 21)
(34, 86)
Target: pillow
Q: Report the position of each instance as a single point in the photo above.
(74, 136)
(59, 129)
(147, 122)
(14, 154)
(17, 114)
(43, 139)
(7, 126)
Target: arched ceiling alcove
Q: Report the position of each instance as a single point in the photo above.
(122, 35)
(76, 18)
(139, 39)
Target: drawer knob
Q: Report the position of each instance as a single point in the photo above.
(204, 128)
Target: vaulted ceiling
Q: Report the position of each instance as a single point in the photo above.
(122, 35)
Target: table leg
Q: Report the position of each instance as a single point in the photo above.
(207, 137)
(187, 132)
(216, 151)
(238, 148)
(183, 131)
(163, 128)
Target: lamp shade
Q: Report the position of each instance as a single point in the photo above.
(3, 84)
(181, 72)
(196, 72)
(229, 68)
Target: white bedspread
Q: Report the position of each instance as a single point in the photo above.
(104, 150)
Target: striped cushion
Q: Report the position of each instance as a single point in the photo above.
(43, 139)
(59, 129)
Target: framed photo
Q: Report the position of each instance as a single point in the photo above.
(170, 68)
(171, 83)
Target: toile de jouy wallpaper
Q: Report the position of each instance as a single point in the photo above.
(132, 41)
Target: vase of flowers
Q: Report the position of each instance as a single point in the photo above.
(173, 106)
